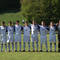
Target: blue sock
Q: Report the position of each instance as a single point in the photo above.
(51, 46)
(41, 46)
(37, 45)
(33, 45)
(9, 46)
(29, 45)
(16, 46)
(20, 46)
(1, 47)
(12, 46)
(5, 47)
(46, 46)
(55, 46)
(24, 46)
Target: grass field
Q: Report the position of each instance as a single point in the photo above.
(31, 55)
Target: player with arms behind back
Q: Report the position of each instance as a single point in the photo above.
(43, 36)
(10, 36)
(18, 29)
(3, 36)
(26, 38)
(52, 36)
(34, 35)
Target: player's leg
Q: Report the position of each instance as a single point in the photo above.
(55, 46)
(24, 45)
(41, 46)
(5, 47)
(58, 45)
(15, 46)
(19, 46)
(9, 46)
(41, 43)
(1, 47)
(37, 45)
(46, 46)
(12, 46)
(29, 46)
(33, 46)
(50, 46)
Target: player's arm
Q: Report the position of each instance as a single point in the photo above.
(6, 28)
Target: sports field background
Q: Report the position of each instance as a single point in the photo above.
(31, 55)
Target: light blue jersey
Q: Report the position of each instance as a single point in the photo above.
(26, 34)
(10, 33)
(52, 34)
(17, 33)
(26, 37)
(43, 34)
(34, 36)
(3, 34)
(34, 33)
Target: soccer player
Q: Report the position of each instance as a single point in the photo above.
(43, 36)
(52, 36)
(34, 35)
(26, 38)
(3, 36)
(59, 36)
(10, 36)
(18, 29)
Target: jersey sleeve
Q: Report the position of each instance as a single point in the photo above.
(14, 28)
(6, 28)
(21, 28)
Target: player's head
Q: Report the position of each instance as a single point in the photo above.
(43, 23)
(3, 23)
(59, 21)
(33, 22)
(10, 23)
(26, 23)
(51, 23)
(17, 22)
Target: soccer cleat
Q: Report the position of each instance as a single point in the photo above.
(9, 51)
(33, 50)
(19, 50)
(23, 50)
(50, 50)
(15, 50)
(41, 51)
(1, 50)
(46, 50)
(28, 50)
(55, 50)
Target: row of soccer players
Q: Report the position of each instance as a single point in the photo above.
(34, 29)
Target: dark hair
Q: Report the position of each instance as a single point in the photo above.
(26, 21)
(17, 21)
(3, 22)
(10, 22)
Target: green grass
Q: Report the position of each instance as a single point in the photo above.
(31, 55)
